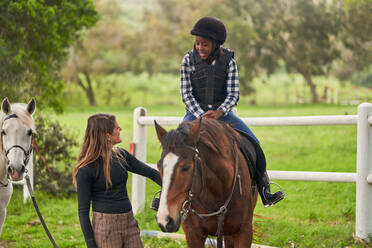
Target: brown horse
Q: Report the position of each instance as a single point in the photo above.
(206, 184)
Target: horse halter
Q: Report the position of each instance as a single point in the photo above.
(220, 213)
(186, 206)
(27, 153)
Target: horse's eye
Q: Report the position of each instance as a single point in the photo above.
(185, 168)
(3, 132)
(29, 133)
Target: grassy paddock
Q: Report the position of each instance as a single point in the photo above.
(314, 214)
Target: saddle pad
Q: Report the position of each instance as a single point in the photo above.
(253, 153)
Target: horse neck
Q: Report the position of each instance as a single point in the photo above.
(218, 179)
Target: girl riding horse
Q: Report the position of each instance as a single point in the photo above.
(210, 88)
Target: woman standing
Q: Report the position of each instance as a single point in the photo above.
(100, 176)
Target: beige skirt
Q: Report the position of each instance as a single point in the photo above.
(116, 230)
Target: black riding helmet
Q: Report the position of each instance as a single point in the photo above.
(210, 28)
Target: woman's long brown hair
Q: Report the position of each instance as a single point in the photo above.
(95, 144)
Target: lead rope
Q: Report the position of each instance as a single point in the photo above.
(38, 211)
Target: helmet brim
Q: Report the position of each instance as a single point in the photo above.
(197, 33)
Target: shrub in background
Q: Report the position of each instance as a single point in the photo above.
(55, 144)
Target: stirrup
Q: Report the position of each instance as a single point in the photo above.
(155, 202)
(276, 200)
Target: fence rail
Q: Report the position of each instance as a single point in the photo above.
(362, 177)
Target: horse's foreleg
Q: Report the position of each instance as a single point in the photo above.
(194, 240)
(5, 195)
(194, 237)
(229, 242)
(2, 218)
(244, 238)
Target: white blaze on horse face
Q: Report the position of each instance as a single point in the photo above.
(16, 133)
(169, 163)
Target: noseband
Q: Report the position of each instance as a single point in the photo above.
(27, 153)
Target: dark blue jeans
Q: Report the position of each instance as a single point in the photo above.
(231, 118)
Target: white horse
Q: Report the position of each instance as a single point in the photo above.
(17, 128)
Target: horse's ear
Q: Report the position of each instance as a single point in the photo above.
(5, 106)
(31, 106)
(160, 131)
(194, 133)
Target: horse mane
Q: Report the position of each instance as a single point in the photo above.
(211, 133)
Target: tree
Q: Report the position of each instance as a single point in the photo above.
(102, 50)
(165, 36)
(356, 39)
(34, 35)
(301, 33)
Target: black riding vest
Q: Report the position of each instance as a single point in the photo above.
(209, 81)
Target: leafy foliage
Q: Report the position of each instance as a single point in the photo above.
(101, 51)
(34, 36)
(363, 78)
(55, 145)
(300, 33)
(356, 39)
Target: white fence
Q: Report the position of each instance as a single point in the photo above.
(362, 178)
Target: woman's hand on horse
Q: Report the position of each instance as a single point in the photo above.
(214, 114)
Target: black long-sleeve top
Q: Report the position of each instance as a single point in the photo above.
(91, 188)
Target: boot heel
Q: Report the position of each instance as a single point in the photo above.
(274, 198)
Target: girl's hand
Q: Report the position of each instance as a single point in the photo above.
(214, 114)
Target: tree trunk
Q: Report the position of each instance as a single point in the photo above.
(312, 86)
(91, 97)
(309, 82)
(88, 89)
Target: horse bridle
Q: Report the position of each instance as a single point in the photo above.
(186, 206)
(28, 182)
(27, 153)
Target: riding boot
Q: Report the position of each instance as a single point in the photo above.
(263, 186)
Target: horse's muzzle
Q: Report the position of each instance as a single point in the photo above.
(15, 174)
(170, 226)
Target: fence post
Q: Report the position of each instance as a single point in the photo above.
(139, 182)
(363, 221)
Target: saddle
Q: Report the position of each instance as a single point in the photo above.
(254, 155)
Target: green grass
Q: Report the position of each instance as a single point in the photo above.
(314, 214)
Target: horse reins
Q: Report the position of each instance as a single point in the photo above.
(28, 182)
(186, 206)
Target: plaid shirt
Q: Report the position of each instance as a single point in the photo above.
(232, 98)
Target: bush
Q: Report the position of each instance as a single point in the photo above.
(55, 145)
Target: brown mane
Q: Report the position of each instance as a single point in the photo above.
(210, 135)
